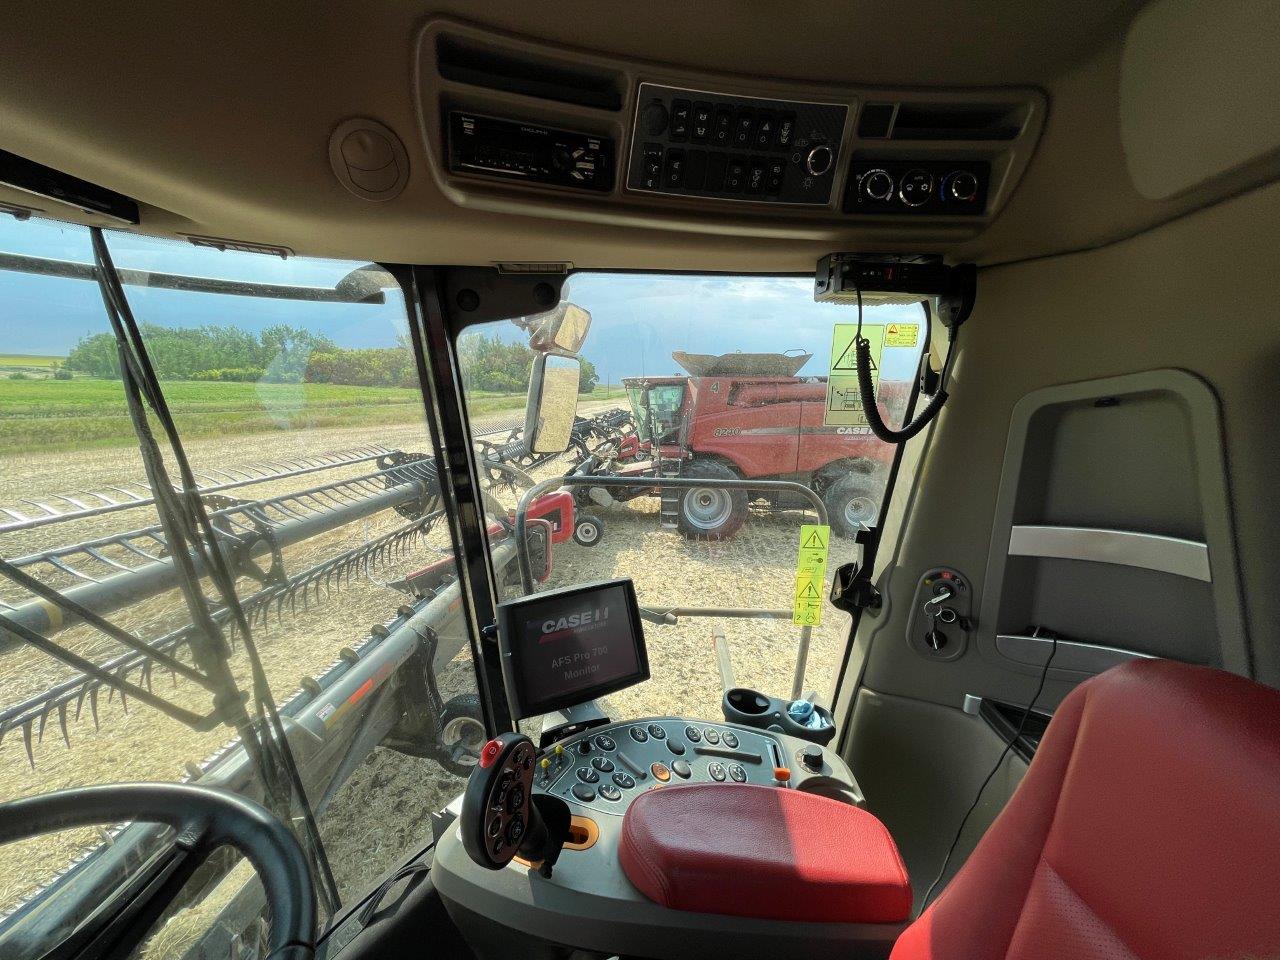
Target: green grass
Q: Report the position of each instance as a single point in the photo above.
(49, 415)
(28, 360)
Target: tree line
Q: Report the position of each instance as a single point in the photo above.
(286, 354)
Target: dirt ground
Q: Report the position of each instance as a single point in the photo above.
(382, 813)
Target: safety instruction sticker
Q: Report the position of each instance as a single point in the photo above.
(811, 570)
(901, 334)
(844, 401)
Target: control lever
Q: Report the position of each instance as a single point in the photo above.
(500, 815)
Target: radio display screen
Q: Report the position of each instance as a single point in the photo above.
(569, 646)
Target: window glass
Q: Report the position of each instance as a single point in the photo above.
(714, 378)
(294, 391)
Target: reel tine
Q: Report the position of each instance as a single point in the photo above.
(93, 706)
(26, 742)
(62, 723)
(44, 718)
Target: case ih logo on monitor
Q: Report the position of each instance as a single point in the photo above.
(582, 622)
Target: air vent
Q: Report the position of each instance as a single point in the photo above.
(876, 121)
(958, 121)
(477, 65)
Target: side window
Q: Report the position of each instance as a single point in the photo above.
(294, 391)
(716, 380)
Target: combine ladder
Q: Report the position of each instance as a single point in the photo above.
(670, 502)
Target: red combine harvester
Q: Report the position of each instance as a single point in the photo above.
(746, 416)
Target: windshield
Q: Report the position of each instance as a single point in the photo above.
(703, 380)
(293, 394)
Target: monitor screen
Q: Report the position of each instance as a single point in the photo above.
(565, 647)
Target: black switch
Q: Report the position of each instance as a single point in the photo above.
(714, 183)
(773, 177)
(755, 176)
(766, 127)
(722, 128)
(695, 174)
(679, 129)
(735, 178)
(672, 177)
(743, 125)
(786, 130)
(651, 167)
(701, 124)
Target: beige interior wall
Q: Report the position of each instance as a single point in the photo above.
(1198, 293)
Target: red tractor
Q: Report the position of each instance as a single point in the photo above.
(748, 416)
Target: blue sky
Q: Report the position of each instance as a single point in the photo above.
(638, 319)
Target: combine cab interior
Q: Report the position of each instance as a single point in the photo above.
(968, 307)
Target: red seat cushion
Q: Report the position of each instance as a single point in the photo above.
(1147, 826)
(753, 851)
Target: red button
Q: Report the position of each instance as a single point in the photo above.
(490, 753)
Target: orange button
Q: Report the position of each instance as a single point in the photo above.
(781, 774)
(661, 772)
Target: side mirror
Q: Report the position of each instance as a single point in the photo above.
(552, 403)
(563, 329)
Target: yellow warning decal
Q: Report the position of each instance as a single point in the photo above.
(844, 399)
(811, 570)
(901, 334)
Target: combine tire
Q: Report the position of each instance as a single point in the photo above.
(462, 734)
(588, 530)
(853, 502)
(711, 513)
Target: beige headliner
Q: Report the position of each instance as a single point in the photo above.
(216, 116)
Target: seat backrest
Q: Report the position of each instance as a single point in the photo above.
(1148, 826)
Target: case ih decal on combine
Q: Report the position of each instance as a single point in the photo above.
(742, 416)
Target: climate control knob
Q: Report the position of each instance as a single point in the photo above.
(877, 185)
(916, 187)
(819, 160)
(961, 187)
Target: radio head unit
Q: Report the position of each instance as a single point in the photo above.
(528, 153)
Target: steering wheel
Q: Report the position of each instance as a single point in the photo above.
(203, 819)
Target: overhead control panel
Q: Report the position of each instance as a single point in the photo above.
(706, 144)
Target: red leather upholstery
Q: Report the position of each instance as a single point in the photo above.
(1147, 826)
(763, 852)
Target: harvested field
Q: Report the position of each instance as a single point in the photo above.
(382, 813)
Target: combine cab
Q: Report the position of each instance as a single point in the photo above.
(750, 416)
